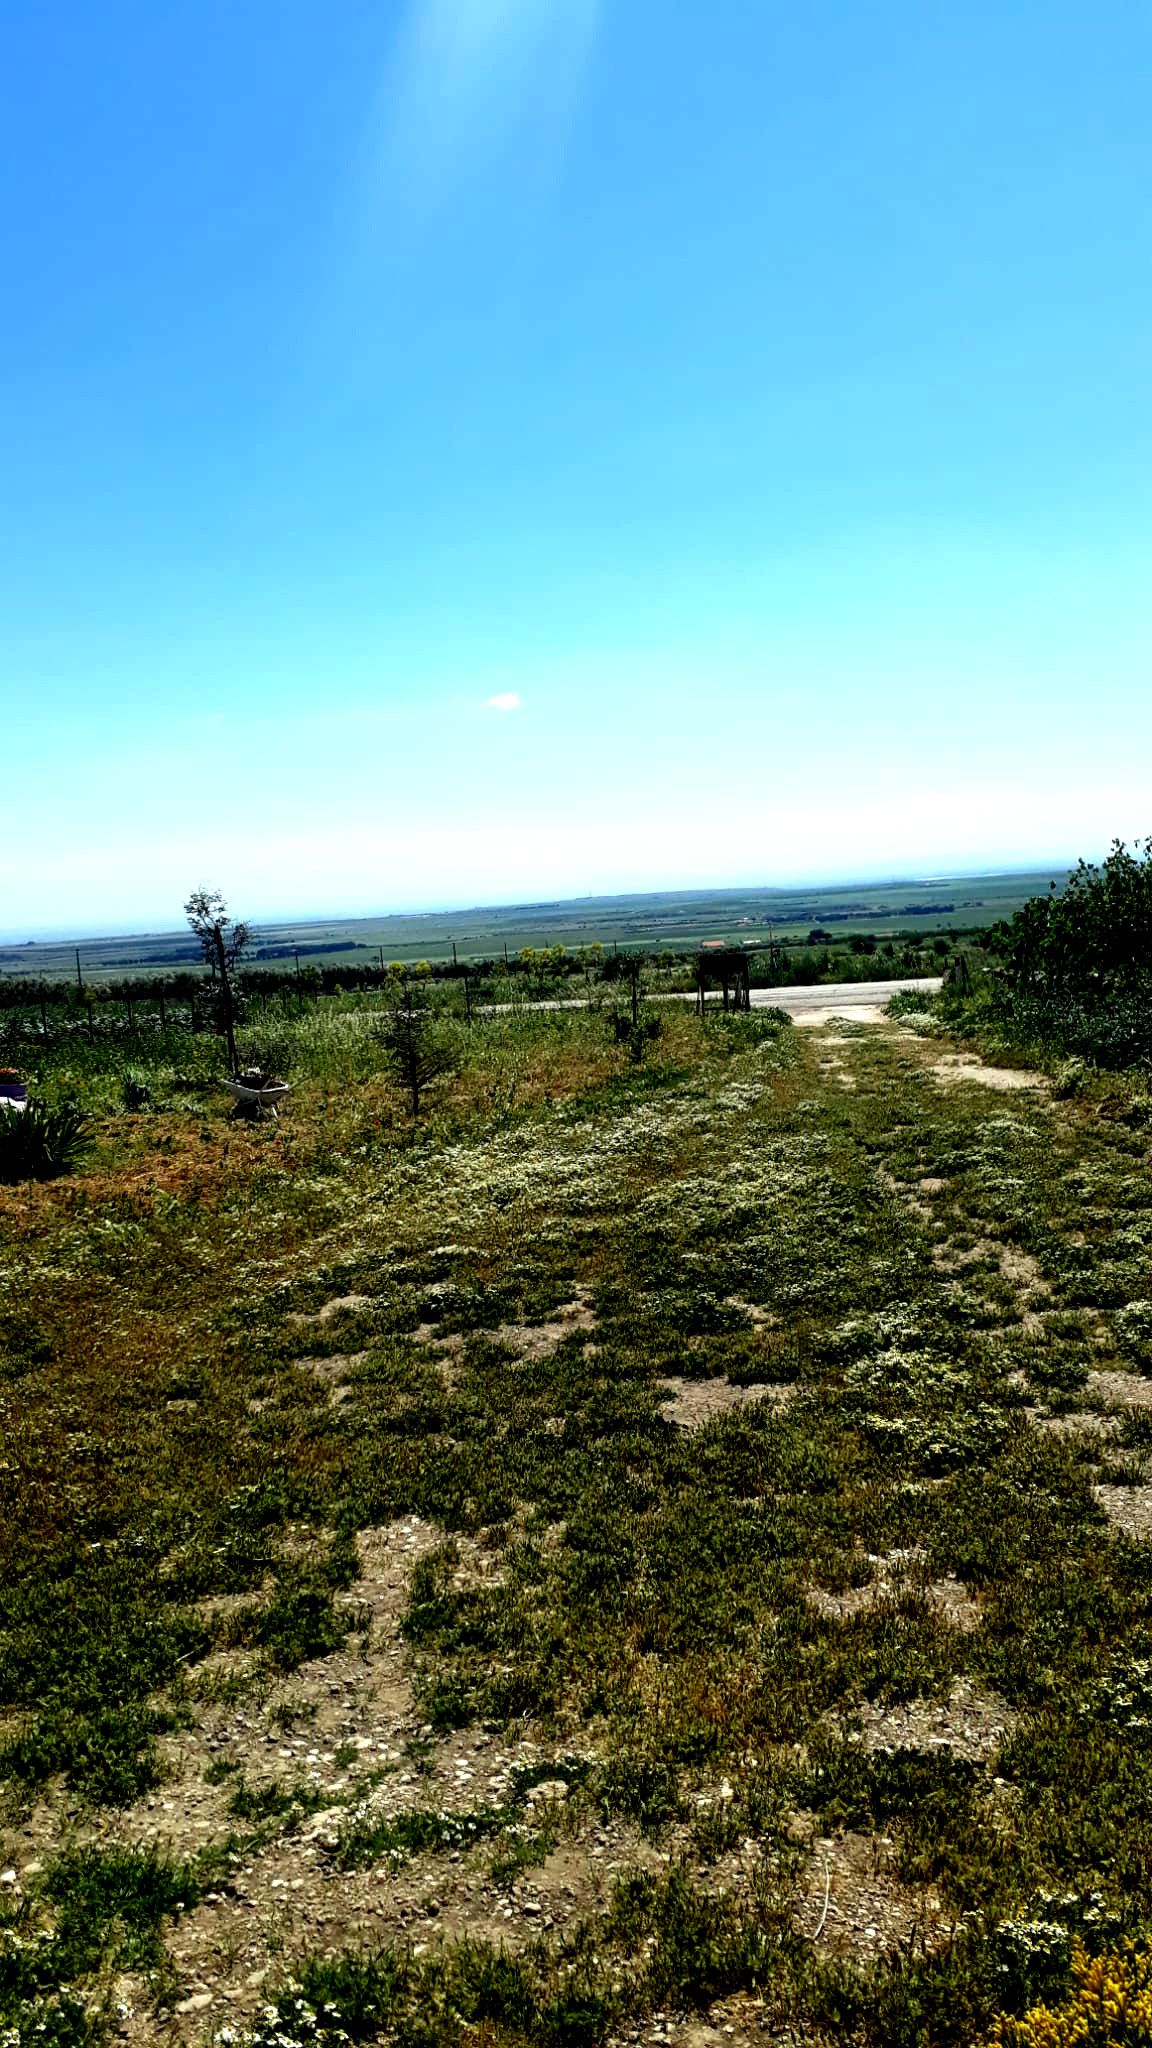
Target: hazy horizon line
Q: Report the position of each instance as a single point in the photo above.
(63, 935)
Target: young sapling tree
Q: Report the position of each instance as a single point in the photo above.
(223, 942)
(404, 1031)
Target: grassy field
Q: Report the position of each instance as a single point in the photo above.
(678, 919)
(657, 1550)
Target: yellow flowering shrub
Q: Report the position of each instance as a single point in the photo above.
(1110, 2006)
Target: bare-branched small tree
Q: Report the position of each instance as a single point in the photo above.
(223, 942)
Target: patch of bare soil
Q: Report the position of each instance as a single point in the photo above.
(763, 1318)
(692, 1403)
(908, 1196)
(1081, 1422)
(341, 1734)
(851, 1013)
(970, 1722)
(852, 1901)
(1019, 1268)
(290, 1898)
(335, 1373)
(953, 1067)
(894, 1575)
(1128, 1508)
(1120, 1389)
(736, 2022)
(529, 1341)
(540, 1340)
(331, 1308)
(833, 1068)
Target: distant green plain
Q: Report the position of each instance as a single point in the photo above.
(678, 919)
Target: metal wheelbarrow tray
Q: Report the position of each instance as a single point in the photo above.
(13, 1091)
(254, 1097)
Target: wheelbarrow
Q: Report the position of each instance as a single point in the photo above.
(13, 1091)
(254, 1092)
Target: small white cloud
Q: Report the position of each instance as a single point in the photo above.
(506, 701)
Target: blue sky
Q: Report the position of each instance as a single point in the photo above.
(753, 398)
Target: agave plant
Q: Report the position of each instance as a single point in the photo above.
(42, 1141)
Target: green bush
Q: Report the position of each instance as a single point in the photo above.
(113, 1902)
(1075, 967)
(42, 1141)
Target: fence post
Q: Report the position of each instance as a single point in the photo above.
(91, 1025)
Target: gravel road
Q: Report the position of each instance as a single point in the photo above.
(838, 996)
(834, 998)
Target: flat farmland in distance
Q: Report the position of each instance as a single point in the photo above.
(680, 920)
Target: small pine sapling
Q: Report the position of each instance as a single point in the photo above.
(405, 1033)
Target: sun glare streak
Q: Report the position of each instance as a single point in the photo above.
(477, 103)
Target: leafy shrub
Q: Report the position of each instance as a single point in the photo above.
(119, 1897)
(1034, 1957)
(110, 1905)
(1110, 2006)
(60, 2020)
(299, 1623)
(697, 1947)
(368, 1836)
(1076, 967)
(1093, 940)
(639, 1789)
(1132, 1326)
(137, 1094)
(490, 1995)
(108, 1754)
(273, 1051)
(42, 1141)
(1123, 1698)
(907, 1003)
(639, 1035)
(746, 1029)
(25, 1342)
(276, 1801)
(850, 1788)
(923, 1022)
